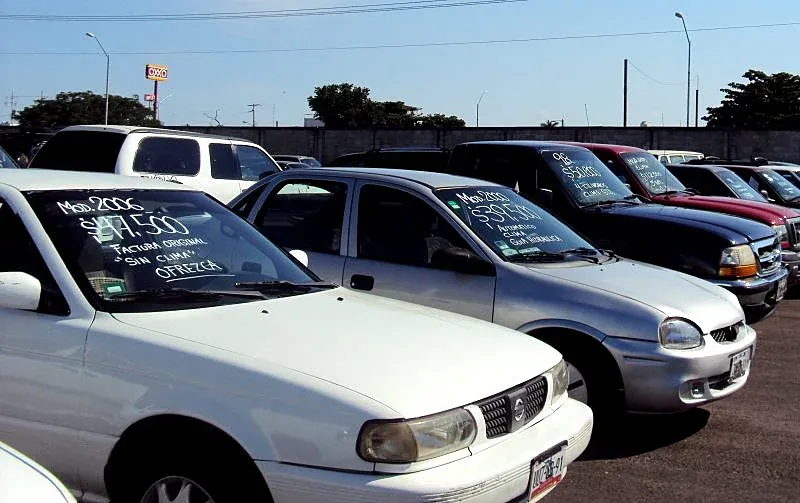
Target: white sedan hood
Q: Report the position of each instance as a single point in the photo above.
(673, 293)
(413, 359)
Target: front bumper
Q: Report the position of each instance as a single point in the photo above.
(791, 260)
(659, 380)
(498, 474)
(757, 291)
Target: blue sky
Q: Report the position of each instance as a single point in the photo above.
(525, 83)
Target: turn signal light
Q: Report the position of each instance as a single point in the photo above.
(738, 271)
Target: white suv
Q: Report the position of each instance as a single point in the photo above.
(219, 165)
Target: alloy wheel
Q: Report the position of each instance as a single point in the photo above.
(176, 489)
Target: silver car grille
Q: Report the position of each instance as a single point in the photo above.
(768, 254)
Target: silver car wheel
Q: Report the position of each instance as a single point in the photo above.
(176, 489)
(577, 385)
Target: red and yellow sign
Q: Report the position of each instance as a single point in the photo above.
(155, 72)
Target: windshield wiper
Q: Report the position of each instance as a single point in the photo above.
(283, 286)
(583, 252)
(610, 202)
(177, 294)
(537, 256)
(691, 192)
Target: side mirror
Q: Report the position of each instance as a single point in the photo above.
(544, 197)
(301, 256)
(454, 258)
(627, 186)
(766, 195)
(19, 290)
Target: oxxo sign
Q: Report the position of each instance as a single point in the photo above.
(155, 72)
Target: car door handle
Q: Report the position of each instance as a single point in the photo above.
(362, 282)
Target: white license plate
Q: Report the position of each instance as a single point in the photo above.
(740, 362)
(546, 472)
(781, 290)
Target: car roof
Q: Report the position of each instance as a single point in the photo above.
(538, 144)
(47, 179)
(707, 167)
(675, 152)
(619, 149)
(126, 130)
(430, 179)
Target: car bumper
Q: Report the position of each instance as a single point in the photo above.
(659, 380)
(791, 260)
(757, 291)
(498, 474)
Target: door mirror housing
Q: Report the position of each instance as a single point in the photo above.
(301, 256)
(19, 290)
(544, 197)
(454, 258)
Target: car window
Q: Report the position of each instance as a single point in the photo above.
(310, 161)
(398, 227)
(94, 151)
(6, 161)
(508, 223)
(223, 163)
(24, 256)
(614, 165)
(654, 176)
(305, 215)
(790, 176)
(739, 187)
(253, 163)
(118, 243)
(676, 159)
(663, 159)
(169, 156)
(690, 157)
(584, 176)
(779, 184)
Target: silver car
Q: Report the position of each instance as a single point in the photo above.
(635, 335)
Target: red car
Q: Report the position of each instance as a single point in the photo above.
(650, 179)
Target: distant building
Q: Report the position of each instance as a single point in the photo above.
(311, 122)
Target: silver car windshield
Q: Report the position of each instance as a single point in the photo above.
(585, 176)
(127, 247)
(508, 223)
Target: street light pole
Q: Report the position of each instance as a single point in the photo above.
(478, 110)
(108, 64)
(688, 68)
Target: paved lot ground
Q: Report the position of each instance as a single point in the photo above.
(743, 448)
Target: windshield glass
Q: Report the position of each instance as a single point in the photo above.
(779, 184)
(509, 223)
(740, 187)
(120, 242)
(792, 176)
(585, 177)
(653, 175)
(6, 161)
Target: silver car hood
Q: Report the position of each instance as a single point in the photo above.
(673, 293)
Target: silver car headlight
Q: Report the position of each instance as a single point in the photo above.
(675, 333)
(560, 374)
(409, 440)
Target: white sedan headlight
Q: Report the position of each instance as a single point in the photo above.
(406, 441)
(679, 334)
(560, 374)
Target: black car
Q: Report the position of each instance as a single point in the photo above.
(738, 254)
(305, 159)
(715, 181)
(775, 187)
(420, 158)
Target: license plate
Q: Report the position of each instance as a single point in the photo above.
(547, 471)
(740, 362)
(781, 289)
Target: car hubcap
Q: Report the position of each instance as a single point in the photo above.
(577, 385)
(176, 490)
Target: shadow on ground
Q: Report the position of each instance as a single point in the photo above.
(637, 434)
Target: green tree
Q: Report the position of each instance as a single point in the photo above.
(345, 106)
(69, 108)
(765, 101)
(549, 124)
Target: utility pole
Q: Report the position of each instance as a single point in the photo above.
(625, 96)
(478, 110)
(697, 103)
(253, 111)
(688, 68)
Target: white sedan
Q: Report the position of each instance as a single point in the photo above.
(23, 479)
(155, 347)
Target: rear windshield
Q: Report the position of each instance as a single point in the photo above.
(94, 151)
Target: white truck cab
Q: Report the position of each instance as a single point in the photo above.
(218, 165)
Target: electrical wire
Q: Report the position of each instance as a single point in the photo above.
(654, 80)
(261, 14)
(402, 46)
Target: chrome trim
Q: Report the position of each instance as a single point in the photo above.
(768, 254)
(793, 227)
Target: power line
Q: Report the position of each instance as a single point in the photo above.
(651, 78)
(261, 14)
(402, 46)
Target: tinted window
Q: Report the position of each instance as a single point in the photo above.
(94, 151)
(791, 176)
(253, 162)
(223, 164)
(785, 189)
(507, 222)
(170, 156)
(614, 165)
(398, 227)
(118, 243)
(6, 161)
(653, 175)
(739, 187)
(305, 215)
(584, 176)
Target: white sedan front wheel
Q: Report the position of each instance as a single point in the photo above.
(176, 489)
